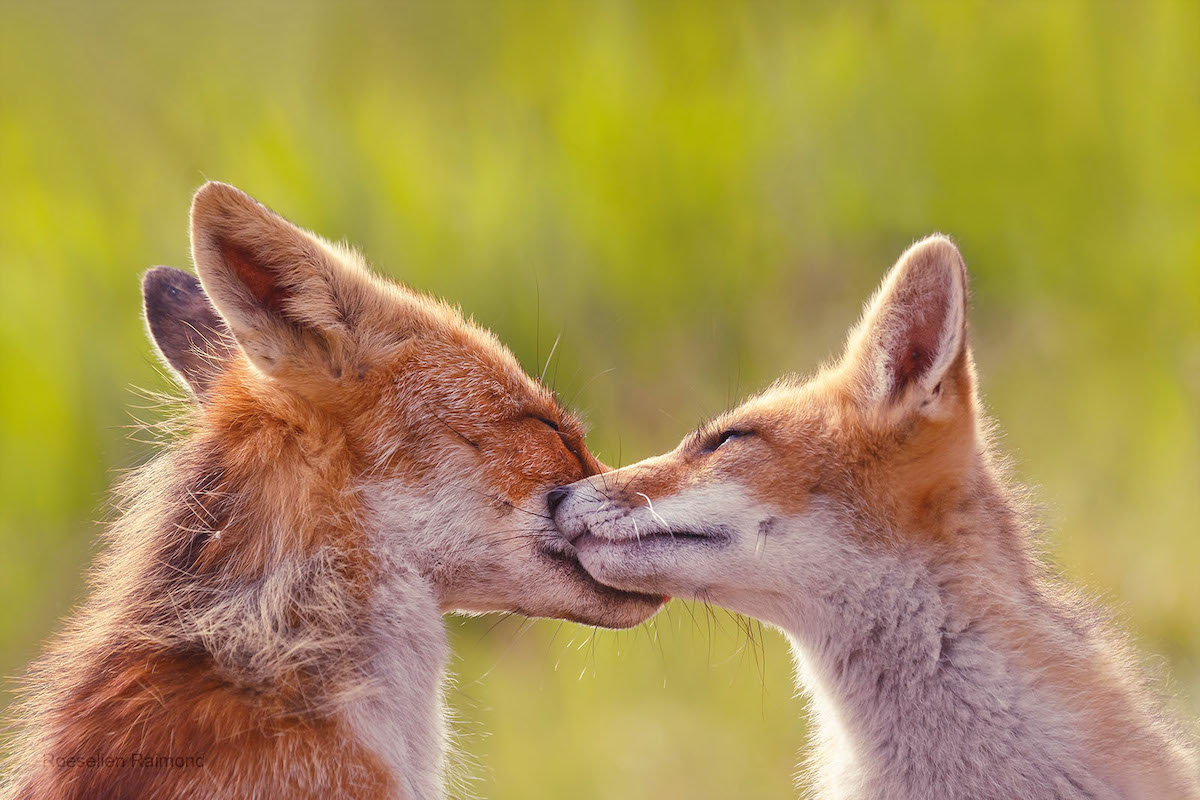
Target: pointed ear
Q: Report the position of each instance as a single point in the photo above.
(910, 349)
(291, 300)
(190, 336)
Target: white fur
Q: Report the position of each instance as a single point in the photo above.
(419, 535)
(403, 719)
(938, 667)
(447, 545)
(913, 698)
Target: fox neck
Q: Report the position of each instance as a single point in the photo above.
(958, 677)
(270, 566)
(402, 717)
(390, 697)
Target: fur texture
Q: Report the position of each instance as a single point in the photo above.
(266, 620)
(865, 513)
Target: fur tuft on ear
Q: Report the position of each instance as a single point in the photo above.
(190, 336)
(291, 300)
(913, 333)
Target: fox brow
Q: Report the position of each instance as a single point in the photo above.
(707, 431)
(555, 413)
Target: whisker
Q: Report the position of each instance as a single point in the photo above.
(588, 383)
(542, 377)
(650, 505)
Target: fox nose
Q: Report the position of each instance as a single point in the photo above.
(555, 496)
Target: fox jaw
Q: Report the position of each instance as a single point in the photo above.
(863, 514)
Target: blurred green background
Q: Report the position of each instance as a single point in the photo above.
(697, 197)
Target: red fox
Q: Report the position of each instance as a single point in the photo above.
(267, 620)
(866, 514)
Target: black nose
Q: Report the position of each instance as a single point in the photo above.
(555, 496)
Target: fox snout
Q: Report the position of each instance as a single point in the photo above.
(555, 498)
(569, 526)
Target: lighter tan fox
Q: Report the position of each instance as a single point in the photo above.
(267, 620)
(865, 513)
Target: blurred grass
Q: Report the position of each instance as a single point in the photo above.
(697, 196)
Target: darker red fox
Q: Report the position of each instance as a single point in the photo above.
(266, 621)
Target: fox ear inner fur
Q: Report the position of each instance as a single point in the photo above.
(292, 301)
(190, 336)
(912, 343)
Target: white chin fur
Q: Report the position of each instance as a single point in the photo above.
(633, 567)
(631, 547)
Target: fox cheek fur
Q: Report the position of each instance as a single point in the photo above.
(357, 460)
(866, 513)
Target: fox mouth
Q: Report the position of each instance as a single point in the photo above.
(567, 558)
(704, 536)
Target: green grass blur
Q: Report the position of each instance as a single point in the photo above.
(697, 196)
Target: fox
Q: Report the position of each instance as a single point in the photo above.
(356, 460)
(867, 513)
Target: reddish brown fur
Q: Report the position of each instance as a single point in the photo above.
(124, 678)
(260, 503)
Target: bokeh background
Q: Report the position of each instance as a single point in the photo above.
(696, 197)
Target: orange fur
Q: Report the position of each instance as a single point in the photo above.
(889, 450)
(230, 618)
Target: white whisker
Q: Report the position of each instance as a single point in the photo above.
(655, 514)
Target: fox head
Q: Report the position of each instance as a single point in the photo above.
(355, 396)
(781, 494)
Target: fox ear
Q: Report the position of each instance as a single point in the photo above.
(190, 336)
(290, 299)
(910, 349)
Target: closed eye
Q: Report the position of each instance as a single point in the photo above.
(725, 436)
(567, 442)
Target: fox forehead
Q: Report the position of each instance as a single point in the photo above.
(808, 438)
(786, 448)
(415, 349)
(433, 380)
(791, 407)
(458, 386)
(471, 366)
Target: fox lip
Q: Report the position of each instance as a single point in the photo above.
(714, 535)
(570, 560)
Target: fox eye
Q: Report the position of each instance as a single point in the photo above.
(726, 435)
(564, 441)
